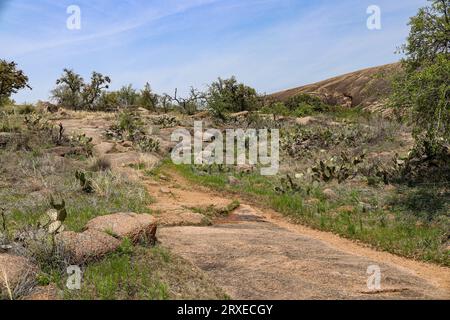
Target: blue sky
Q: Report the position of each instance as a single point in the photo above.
(268, 44)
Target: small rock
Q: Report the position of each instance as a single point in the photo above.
(163, 177)
(312, 201)
(233, 181)
(103, 148)
(304, 121)
(119, 149)
(127, 144)
(365, 207)
(330, 194)
(165, 190)
(245, 168)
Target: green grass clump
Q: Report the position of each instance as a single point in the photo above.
(138, 273)
(121, 276)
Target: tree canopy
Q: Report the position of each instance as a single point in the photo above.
(12, 80)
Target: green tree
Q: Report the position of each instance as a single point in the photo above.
(11, 80)
(92, 92)
(109, 101)
(225, 96)
(148, 100)
(128, 96)
(423, 88)
(305, 104)
(429, 36)
(68, 90)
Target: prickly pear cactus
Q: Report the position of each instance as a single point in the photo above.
(86, 183)
(52, 221)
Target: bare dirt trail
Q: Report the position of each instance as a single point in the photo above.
(258, 254)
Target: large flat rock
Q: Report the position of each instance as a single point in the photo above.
(254, 259)
(125, 225)
(86, 246)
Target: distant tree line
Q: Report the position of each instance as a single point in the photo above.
(221, 97)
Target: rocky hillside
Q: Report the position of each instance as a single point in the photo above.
(367, 88)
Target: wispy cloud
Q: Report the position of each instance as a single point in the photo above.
(114, 23)
(270, 44)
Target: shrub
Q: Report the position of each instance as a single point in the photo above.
(148, 100)
(304, 104)
(127, 96)
(72, 92)
(227, 96)
(109, 101)
(68, 90)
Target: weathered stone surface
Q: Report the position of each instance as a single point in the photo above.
(330, 194)
(245, 168)
(233, 181)
(304, 121)
(165, 190)
(47, 293)
(137, 227)
(86, 246)
(176, 215)
(103, 148)
(127, 144)
(14, 271)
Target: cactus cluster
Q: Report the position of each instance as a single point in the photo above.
(337, 168)
(301, 141)
(166, 121)
(86, 182)
(288, 186)
(52, 221)
(148, 144)
(36, 122)
(130, 127)
(84, 142)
